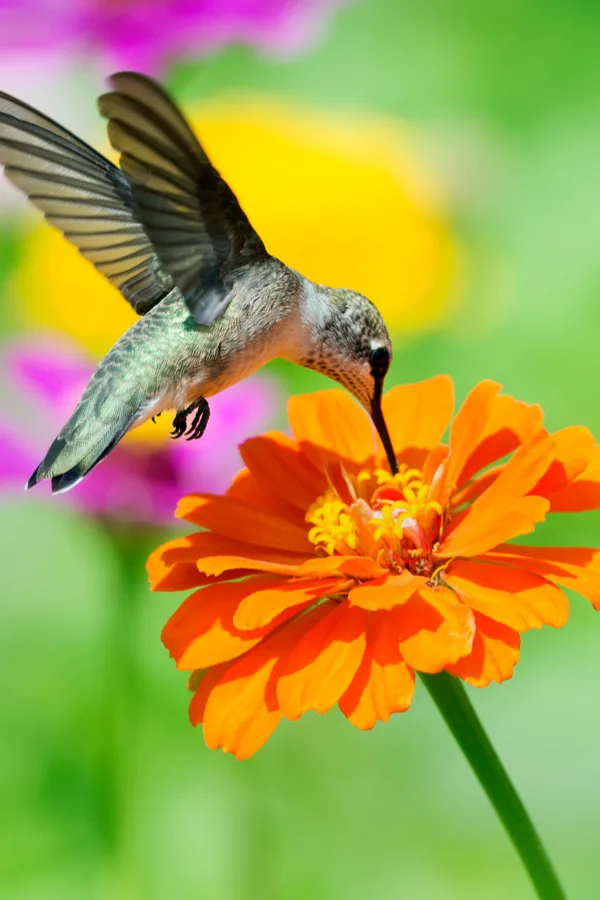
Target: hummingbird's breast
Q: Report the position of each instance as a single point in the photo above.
(257, 326)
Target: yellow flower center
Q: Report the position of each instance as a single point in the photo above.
(396, 519)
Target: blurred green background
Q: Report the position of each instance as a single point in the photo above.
(105, 789)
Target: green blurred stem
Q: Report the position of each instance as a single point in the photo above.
(451, 699)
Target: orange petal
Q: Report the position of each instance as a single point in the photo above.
(278, 463)
(525, 468)
(172, 567)
(329, 425)
(263, 606)
(383, 684)
(469, 425)
(583, 493)
(240, 711)
(185, 576)
(494, 655)
(434, 629)
(321, 665)
(242, 521)
(202, 544)
(204, 682)
(360, 567)
(577, 568)
(417, 416)
(514, 597)
(573, 449)
(245, 486)
(196, 676)
(510, 424)
(475, 488)
(216, 565)
(503, 512)
(433, 461)
(387, 591)
(476, 535)
(202, 633)
(180, 564)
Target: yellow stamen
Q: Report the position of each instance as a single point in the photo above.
(410, 494)
(394, 532)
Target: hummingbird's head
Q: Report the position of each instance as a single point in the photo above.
(351, 345)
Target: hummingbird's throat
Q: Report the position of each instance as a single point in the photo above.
(398, 520)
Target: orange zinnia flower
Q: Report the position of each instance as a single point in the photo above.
(325, 579)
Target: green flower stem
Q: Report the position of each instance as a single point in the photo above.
(451, 699)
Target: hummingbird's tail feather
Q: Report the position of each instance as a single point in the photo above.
(64, 482)
(123, 390)
(61, 464)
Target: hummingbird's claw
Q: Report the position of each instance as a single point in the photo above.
(199, 422)
(157, 416)
(198, 426)
(180, 423)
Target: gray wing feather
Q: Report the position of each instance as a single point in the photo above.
(190, 214)
(85, 196)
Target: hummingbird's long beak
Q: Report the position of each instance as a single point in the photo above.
(382, 430)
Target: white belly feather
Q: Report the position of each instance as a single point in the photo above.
(184, 394)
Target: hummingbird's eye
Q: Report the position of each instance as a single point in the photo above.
(380, 361)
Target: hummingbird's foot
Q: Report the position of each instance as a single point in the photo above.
(199, 422)
(180, 422)
(157, 416)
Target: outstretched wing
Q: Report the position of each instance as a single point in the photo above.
(190, 214)
(85, 196)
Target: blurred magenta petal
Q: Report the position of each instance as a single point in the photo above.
(17, 458)
(51, 374)
(144, 35)
(141, 481)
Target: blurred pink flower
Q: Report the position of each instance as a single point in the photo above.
(142, 34)
(141, 480)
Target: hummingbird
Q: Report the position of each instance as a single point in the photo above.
(166, 229)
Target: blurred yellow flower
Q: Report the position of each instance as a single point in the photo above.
(341, 200)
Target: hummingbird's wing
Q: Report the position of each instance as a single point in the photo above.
(190, 214)
(85, 196)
